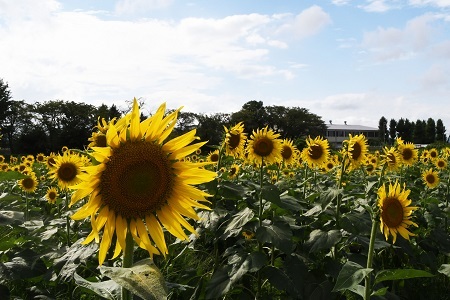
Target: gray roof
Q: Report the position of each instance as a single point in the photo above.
(350, 127)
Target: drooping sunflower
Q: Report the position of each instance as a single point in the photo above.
(235, 139)
(289, 152)
(29, 184)
(357, 148)
(395, 211)
(408, 153)
(264, 146)
(141, 185)
(391, 158)
(317, 151)
(431, 178)
(51, 195)
(66, 169)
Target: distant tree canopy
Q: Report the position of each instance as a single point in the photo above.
(419, 132)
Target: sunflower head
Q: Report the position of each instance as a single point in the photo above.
(357, 148)
(289, 152)
(51, 195)
(431, 178)
(66, 169)
(235, 139)
(391, 158)
(316, 152)
(264, 146)
(441, 163)
(408, 153)
(395, 212)
(29, 184)
(142, 185)
(234, 170)
(213, 156)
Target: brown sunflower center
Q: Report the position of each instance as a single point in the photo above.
(407, 154)
(315, 151)
(441, 164)
(430, 178)
(356, 151)
(100, 140)
(391, 158)
(214, 157)
(233, 171)
(286, 152)
(263, 146)
(52, 195)
(433, 154)
(137, 180)
(67, 172)
(28, 183)
(370, 168)
(392, 212)
(233, 140)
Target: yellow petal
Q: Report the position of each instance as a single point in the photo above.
(156, 232)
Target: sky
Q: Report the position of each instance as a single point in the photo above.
(343, 60)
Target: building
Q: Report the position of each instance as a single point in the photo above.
(337, 133)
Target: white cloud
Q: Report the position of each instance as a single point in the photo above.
(438, 3)
(140, 6)
(376, 6)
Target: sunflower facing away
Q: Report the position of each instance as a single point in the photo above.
(264, 144)
(431, 178)
(395, 211)
(235, 139)
(317, 151)
(140, 185)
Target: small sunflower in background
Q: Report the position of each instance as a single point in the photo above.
(140, 186)
(248, 234)
(356, 149)
(289, 152)
(29, 184)
(431, 178)
(391, 158)
(66, 169)
(395, 211)
(40, 158)
(50, 160)
(97, 139)
(441, 163)
(213, 156)
(408, 153)
(264, 146)
(51, 195)
(317, 152)
(433, 154)
(235, 139)
(233, 171)
(2, 158)
(64, 149)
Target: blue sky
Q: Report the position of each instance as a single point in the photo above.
(351, 61)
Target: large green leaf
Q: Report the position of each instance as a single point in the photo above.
(445, 269)
(11, 175)
(396, 274)
(271, 193)
(319, 240)
(230, 190)
(143, 279)
(279, 234)
(287, 202)
(27, 264)
(237, 221)
(107, 289)
(10, 217)
(350, 276)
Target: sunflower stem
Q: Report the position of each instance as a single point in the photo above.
(260, 213)
(27, 207)
(67, 219)
(127, 261)
(373, 231)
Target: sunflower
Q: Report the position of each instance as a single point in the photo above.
(289, 152)
(40, 157)
(140, 184)
(98, 139)
(29, 184)
(431, 178)
(248, 234)
(213, 156)
(317, 152)
(2, 158)
(357, 149)
(264, 146)
(235, 139)
(395, 211)
(391, 158)
(441, 163)
(50, 161)
(234, 170)
(433, 153)
(408, 153)
(66, 169)
(51, 195)
(64, 149)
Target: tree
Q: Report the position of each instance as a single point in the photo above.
(5, 103)
(50, 114)
(430, 131)
(19, 119)
(382, 130)
(253, 114)
(77, 123)
(419, 132)
(440, 131)
(392, 130)
(210, 127)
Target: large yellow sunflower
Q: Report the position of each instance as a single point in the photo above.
(66, 169)
(357, 148)
(289, 152)
(431, 178)
(140, 185)
(264, 146)
(408, 153)
(395, 211)
(391, 158)
(317, 151)
(235, 139)
(29, 184)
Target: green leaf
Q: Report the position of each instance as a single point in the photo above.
(10, 217)
(380, 292)
(230, 190)
(143, 279)
(237, 221)
(288, 202)
(350, 276)
(279, 234)
(319, 239)
(107, 289)
(445, 269)
(11, 175)
(395, 274)
(27, 264)
(219, 284)
(271, 193)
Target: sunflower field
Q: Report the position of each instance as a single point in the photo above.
(143, 214)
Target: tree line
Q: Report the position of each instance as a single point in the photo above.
(418, 132)
(45, 127)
